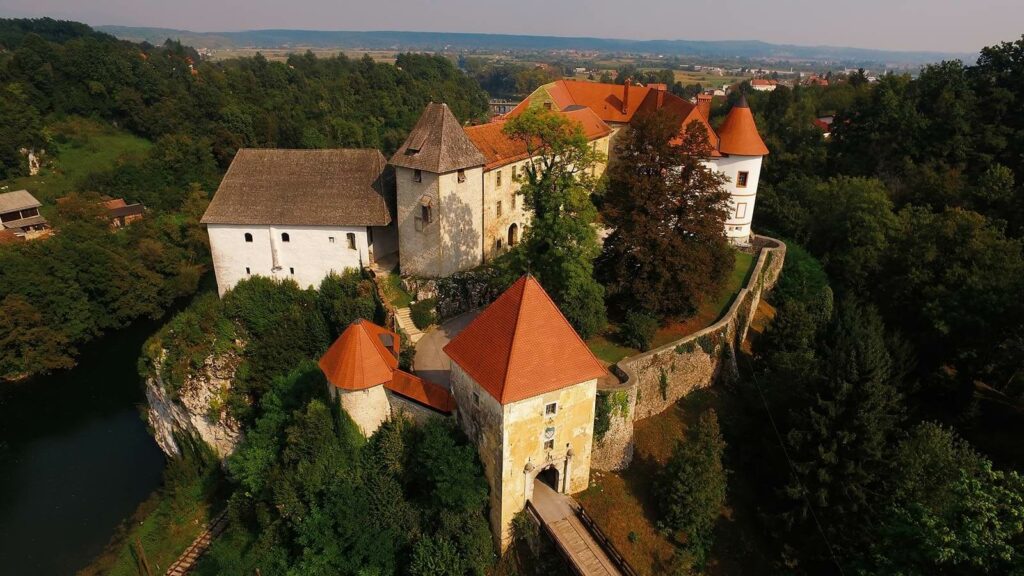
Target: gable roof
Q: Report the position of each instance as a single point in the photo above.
(738, 132)
(338, 187)
(17, 200)
(522, 346)
(437, 144)
(359, 359)
(499, 150)
(610, 102)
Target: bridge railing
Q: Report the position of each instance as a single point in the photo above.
(551, 535)
(609, 548)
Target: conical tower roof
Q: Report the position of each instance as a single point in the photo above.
(738, 133)
(359, 358)
(522, 346)
(437, 144)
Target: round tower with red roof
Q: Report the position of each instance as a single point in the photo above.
(742, 150)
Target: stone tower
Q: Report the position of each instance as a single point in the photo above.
(525, 385)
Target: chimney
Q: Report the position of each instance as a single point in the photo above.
(625, 95)
(704, 105)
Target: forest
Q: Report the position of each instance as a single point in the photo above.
(883, 408)
(57, 295)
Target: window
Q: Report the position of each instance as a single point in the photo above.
(476, 398)
(499, 208)
(285, 237)
(247, 271)
(351, 239)
(549, 444)
(248, 237)
(498, 177)
(417, 175)
(551, 409)
(497, 244)
(426, 214)
(741, 180)
(291, 271)
(330, 239)
(515, 201)
(741, 210)
(549, 438)
(461, 175)
(515, 171)
(547, 105)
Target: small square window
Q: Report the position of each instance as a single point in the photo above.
(741, 180)
(291, 271)
(498, 177)
(462, 175)
(330, 239)
(247, 272)
(248, 237)
(417, 175)
(551, 409)
(549, 444)
(351, 239)
(497, 244)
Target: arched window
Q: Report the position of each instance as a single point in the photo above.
(285, 237)
(248, 237)
(513, 235)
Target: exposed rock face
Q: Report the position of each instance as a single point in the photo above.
(197, 409)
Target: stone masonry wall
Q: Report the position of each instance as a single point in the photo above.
(657, 379)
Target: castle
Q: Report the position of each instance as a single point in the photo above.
(522, 383)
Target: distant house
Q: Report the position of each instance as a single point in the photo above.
(121, 214)
(824, 123)
(815, 80)
(19, 214)
(764, 84)
(300, 214)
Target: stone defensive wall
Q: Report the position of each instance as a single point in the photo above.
(655, 380)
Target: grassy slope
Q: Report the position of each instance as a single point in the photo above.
(607, 349)
(82, 147)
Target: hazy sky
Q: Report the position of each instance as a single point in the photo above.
(947, 25)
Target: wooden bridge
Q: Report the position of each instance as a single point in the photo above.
(568, 526)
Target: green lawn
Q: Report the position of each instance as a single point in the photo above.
(605, 347)
(396, 295)
(81, 147)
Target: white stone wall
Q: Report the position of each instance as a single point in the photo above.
(307, 257)
(496, 226)
(737, 227)
(461, 218)
(368, 408)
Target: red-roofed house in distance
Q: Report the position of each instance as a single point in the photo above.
(526, 387)
(362, 369)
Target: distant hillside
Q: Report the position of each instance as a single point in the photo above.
(751, 49)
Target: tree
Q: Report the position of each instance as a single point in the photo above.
(667, 210)
(692, 486)
(560, 245)
(948, 511)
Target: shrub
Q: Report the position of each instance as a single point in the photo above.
(638, 330)
(422, 313)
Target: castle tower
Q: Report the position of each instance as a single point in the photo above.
(525, 385)
(439, 182)
(358, 365)
(741, 151)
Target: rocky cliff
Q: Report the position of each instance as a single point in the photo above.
(196, 408)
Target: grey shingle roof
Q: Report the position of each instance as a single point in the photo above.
(304, 188)
(437, 144)
(17, 200)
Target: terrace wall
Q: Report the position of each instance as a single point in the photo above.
(657, 379)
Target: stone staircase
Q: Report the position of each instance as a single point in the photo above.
(403, 317)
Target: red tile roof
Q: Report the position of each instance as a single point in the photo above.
(499, 150)
(358, 359)
(738, 132)
(611, 104)
(422, 391)
(366, 355)
(522, 346)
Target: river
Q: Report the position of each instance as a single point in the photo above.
(76, 458)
